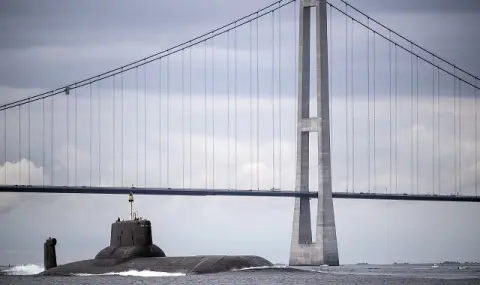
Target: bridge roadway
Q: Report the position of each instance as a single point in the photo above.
(228, 192)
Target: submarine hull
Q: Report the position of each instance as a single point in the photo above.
(179, 264)
(132, 248)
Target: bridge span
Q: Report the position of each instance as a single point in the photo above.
(230, 192)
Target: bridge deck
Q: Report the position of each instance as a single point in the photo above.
(230, 192)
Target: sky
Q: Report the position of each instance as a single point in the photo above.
(46, 44)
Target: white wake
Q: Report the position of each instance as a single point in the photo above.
(28, 269)
(143, 273)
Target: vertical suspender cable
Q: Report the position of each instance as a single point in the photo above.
(160, 135)
(368, 107)
(5, 149)
(145, 127)
(114, 118)
(295, 88)
(433, 126)
(136, 124)
(476, 140)
(273, 99)
(29, 140)
(390, 115)
(258, 115)
(250, 111)
(280, 94)
(183, 119)
(228, 110)
(100, 137)
(44, 145)
(374, 115)
(438, 135)
(460, 180)
(418, 182)
(190, 112)
(346, 100)
(235, 91)
(168, 121)
(19, 176)
(91, 132)
(353, 108)
(396, 120)
(455, 133)
(52, 135)
(67, 124)
(213, 112)
(412, 181)
(205, 113)
(19, 160)
(121, 134)
(76, 135)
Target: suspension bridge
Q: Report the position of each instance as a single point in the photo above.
(228, 113)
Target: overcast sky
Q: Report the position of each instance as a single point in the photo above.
(46, 44)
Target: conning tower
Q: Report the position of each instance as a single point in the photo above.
(129, 239)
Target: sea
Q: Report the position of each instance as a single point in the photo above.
(279, 274)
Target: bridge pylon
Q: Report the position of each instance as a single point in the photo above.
(303, 250)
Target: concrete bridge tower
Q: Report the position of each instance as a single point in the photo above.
(325, 250)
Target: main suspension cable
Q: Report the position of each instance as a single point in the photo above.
(406, 49)
(157, 56)
(404, 38)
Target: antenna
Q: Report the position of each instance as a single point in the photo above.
(130, 200)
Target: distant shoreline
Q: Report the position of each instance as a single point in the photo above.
(430, 263)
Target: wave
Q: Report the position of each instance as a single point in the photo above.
(34, 269)
(283, 268)
(143, 273)
(27, 269)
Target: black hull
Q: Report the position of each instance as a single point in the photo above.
(177, 264)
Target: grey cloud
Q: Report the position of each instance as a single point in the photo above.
(394, 237)
(229, 221)
(83, 143)
(78, 24)
(412, 6)
(95, 57)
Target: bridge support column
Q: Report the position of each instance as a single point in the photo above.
(303, 250)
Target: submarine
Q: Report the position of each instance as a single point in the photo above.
(132, 248)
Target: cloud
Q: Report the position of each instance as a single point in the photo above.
(23, 172)
(219, 222)
(96, 142)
